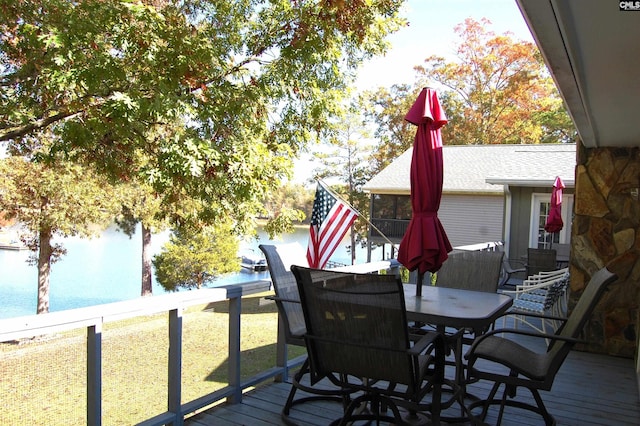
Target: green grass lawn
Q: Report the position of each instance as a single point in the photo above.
(43, 381)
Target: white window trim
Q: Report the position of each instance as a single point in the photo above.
(567, 209)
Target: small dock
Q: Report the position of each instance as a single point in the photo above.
(9, 241)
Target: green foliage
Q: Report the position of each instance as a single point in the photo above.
(283, 222)
(387, 107)
(497, 90)
(346, 157)
(200, 100)
(194, 257)
(199, 107)
(61, 199)
(291, 196)
(54, 199)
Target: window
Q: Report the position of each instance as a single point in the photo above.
(539, 238)
(391, 207)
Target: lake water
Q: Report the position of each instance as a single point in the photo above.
(108, 269)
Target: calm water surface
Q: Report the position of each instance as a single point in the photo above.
(108, 269)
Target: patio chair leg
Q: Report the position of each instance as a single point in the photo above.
(503, 402)
(485, 405)
(375, 414)
(342, 396)
(549, 420)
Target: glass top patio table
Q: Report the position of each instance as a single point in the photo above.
(456, 308)
(450, 307)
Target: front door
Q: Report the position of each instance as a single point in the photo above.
(539, 238)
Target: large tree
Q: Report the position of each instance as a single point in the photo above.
(199, 100)
(498, 90)
(49, 200)
(387, 107)
(345, 157)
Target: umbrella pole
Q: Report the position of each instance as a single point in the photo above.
(419, 285)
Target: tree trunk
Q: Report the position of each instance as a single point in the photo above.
(44, 271)
(147, 290)
(353, 245)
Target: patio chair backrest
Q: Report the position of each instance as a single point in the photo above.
(539, 260)
(581, 313)
(357, 324)
(471, 270)
(279, 259)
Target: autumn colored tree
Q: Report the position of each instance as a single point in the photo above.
(497, 90)
(61, 199)
(197, 100)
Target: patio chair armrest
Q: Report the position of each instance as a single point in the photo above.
(281, 299)
(512, 268)
(536, 315)
(425, 340)
(554, 337)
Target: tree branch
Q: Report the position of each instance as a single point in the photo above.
(17, 132)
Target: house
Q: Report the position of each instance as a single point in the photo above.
(490, 193)
(597, 74)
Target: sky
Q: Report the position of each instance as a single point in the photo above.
(430, 32)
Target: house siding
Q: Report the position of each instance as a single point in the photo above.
(521, 218)
(472, 219)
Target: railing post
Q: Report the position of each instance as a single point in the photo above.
(94, 375)
(174, 391)
(235, 308)
(281, 352)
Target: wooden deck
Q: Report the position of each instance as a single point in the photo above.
(590, 389)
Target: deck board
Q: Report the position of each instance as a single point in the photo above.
(589, 390)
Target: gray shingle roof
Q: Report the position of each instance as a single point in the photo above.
(485, 168)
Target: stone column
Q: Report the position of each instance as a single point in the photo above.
(606, 232)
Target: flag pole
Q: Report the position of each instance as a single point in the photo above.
(332, 192)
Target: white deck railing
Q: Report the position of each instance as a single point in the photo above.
(93, 318)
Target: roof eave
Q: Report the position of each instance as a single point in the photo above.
(568, 183)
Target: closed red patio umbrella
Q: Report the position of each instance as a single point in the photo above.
(554, 220)
(425, 244)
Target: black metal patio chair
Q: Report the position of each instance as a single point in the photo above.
(526, 368)
(292, 324)
(357, 337)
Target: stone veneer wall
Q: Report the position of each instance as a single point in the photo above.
(606, 232)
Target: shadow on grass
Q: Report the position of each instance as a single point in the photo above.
(250, 305)
(252, 363)
(254, 360)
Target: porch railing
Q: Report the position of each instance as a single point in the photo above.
(93, 318)
(393, 229)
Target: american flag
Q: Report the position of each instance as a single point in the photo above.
(330, 220)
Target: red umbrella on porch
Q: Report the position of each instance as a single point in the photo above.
(554, 220)
(425, 244)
